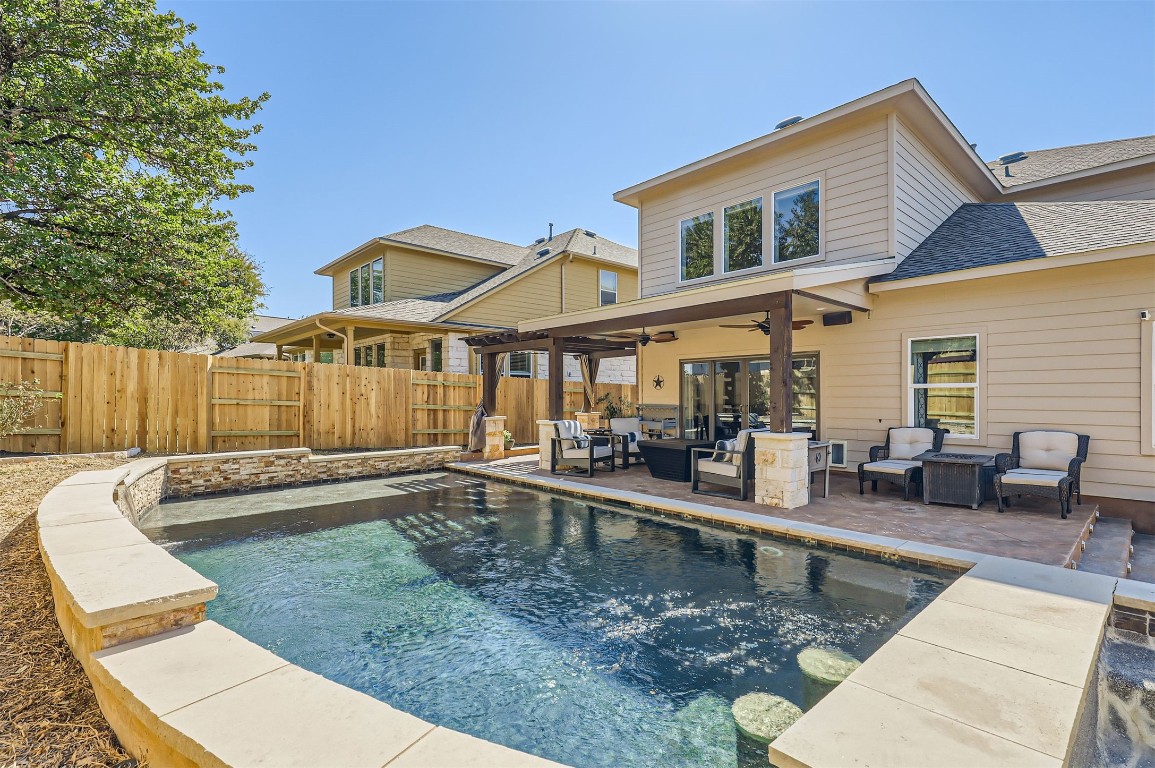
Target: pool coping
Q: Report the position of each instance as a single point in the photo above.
(917, 682)
(180, 690)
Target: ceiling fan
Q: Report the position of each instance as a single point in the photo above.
(644, 338)
(764, 325)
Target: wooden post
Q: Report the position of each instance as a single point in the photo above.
(316, 348)
(781, 362)
(490, 377)
(556, 379)
(280, 352)
(348, 345)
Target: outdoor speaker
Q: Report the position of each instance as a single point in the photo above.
(838, 318)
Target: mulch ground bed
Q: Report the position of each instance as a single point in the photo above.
(48, 712)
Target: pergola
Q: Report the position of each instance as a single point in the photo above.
(592, 349)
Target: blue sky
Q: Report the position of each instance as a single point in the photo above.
(498, 118)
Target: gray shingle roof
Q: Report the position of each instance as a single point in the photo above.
(428, 236)
(984, 234)
(428, 309)
(1047, 163)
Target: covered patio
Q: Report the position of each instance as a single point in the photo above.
(878, 521)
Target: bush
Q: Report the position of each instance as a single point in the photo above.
(20, 402)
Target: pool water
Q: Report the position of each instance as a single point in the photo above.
(584, 633)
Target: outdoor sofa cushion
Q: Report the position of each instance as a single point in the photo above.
(709, 466)
(600, 451)
(724, 445)
(741, 442)
(572, 435)
(632, 447)
(1047, 450)
(624, 425)
(908, 442)
(1033, 477)
(892, 466)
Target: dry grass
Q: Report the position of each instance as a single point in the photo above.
(48, 712)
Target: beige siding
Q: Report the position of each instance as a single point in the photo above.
(537, 294)
(853, 166)
(341, 291)
(926, 191)
(409, 274)
(1060, 349)
(582, 284)
(1131, 184)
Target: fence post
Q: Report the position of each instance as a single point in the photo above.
(205, 425)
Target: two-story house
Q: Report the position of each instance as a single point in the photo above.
(866, 268)
(406, 300)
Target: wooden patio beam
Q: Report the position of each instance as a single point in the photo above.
(556, 379)
(684, 314)
(781, 364)
(490, 377)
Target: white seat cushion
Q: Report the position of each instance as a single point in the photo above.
(633, 447)
(600, 451)
(1033, 477)
(624, 425)
(572, 435)
(1047, 450)
(908, 442)
(892, 466)
(708, 466)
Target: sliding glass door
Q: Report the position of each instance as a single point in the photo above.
(720, 397)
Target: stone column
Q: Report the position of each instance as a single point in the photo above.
(545, 434)
(589, 419)
(781, 478)
(494, 438)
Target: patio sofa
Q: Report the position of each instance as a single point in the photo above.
(1044, 463)
(730, 463)
(894, 461)
(572, 447)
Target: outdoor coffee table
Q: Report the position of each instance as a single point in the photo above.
(669, 459)
(957, 478)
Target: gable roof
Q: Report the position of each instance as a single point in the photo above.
(1047, 163)
(459, 243)
(986, 234)
(439, 307)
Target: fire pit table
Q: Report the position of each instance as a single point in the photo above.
(669, 459)
(957, 478)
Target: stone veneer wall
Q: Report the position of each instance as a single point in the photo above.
(246, 470)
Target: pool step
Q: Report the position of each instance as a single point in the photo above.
(1143, 557)
(1109, 548)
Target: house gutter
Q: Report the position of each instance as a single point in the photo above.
(335, 333)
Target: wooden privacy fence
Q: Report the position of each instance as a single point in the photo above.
(101, 398)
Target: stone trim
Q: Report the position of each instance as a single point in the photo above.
(182, 691)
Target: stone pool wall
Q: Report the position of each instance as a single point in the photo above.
(248, 470)
(180, 690)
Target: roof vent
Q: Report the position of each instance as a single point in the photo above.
(539, 241)
(543, 252)
(788, 122)
(588, 233)
(975, 147)
(1013, 157)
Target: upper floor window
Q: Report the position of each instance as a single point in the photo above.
(742, 235)
(697, 246)
(796, 223)
(944, 383)
(367, 284)
(607, 287)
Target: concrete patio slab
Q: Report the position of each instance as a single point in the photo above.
(858, 726)
(1024, 708)
(174, 669)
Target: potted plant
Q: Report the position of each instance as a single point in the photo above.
(614, 407)
(508, 437)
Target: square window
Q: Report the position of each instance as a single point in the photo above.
(435, 348)
(697, 238)
(742, 241)
(381, 356)
(797, 226)
(521, 364)
(607, 287)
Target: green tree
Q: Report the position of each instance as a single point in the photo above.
(796, 230)
(115, 148)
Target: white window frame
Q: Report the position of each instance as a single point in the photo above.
(376, 267)
(725, 241)
(355, 287)
(768, 226)
(910, 386)
(520, 374)
(602, 275)
(682, 279)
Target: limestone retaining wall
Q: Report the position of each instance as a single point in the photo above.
(182, 691)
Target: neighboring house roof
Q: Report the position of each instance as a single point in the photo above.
(1042, 164)
(258, 324)
(986, 234)
(440, 307)
(460, 243)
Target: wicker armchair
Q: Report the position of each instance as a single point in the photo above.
(572, 447)
(894, 461)
(1043, 463)
(732, 467)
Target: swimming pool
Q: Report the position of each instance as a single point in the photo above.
(587, 634)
